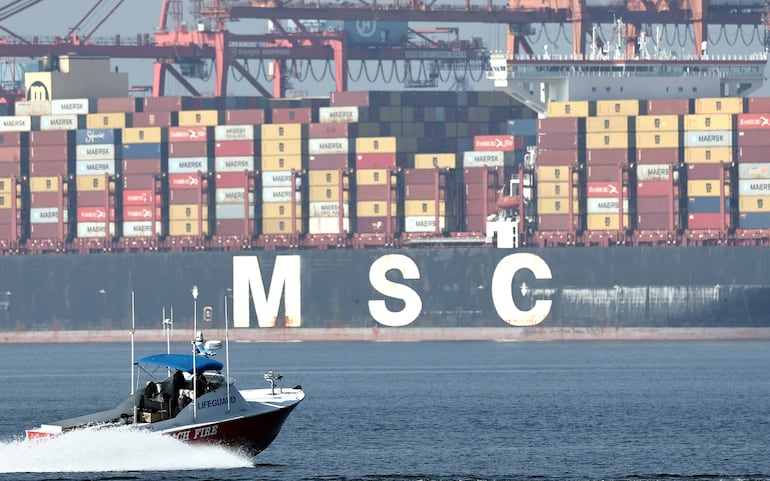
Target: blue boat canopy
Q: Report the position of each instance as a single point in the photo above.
(182, 362)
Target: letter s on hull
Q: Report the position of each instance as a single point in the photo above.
(413, 304)
(501, 289)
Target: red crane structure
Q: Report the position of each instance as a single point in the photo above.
(174, 44)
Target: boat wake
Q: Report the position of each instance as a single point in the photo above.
(114, 450)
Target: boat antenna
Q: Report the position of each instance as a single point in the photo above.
(133, 329)
(194, 351)
(227, 356)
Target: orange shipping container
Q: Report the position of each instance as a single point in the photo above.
(283, 131)
(605, 222)
(198, 118)
(617, 107)
(607, 124)
(374, 177)
(326, 193)
(423, 208)
(326, 178)
(559, 190)
(282, 147)
(142, 135)
(281, 226)
(187, 211)
(375, 209)
(6, 183)
(754, 203)
(553, 173)
(91, 183)
(556, 206)
(579, 108)
(723, 105)
(430, 161)
(654, 123)
(376, 145)
(610, 140)
(706, 188)
(106, 121)
(280, 210)
(652, 140)
(708, 155)
(702, 122)
(282, 162)
(184, 228)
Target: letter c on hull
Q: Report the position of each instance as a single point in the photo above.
(501, 289)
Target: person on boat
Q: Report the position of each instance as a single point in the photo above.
(177, 383)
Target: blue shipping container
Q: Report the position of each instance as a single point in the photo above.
(705, 205)
(141, 151)
(522, 127)
(754, 220)
(95, 136)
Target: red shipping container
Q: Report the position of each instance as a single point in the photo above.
(95, 199)
(303, 115)
(606, 156)
(498, 143)
(184, 196)
(334, 130)
(657, 156)
(374, 192)
(329, 161)
(94, 214)
(552, 157)
(753, 154)
(48, 231)
(235, 227)
(758, 105)
(188, 149)
(708, 221)
(184, 181)
(10, 154)
(705, 171)
(10, 169)
(375, 161)
(654, 204)
(424, 176)
(48, 168)
(141, 166)
(476, 192)
(245, 117)
(139, 181)
(604, 189)
(556, 222)
(49, 152)
(139, 213)
(655, 221)
(182, 135)
(162, 104)
(9, 231)
(153, 119)
(357, 98)
(234, 148)
(559, 125)
(476, 223)
(7, 215)
(750, 138)
(603, 173)
(231, 180)
(11, 139)
(376, 225)
(493, 176)
(668, 107)
(423, 192)
(46, 199)
(557, 141)
(140, 197)
(110, 105)
(39, 138)
(754, 121)
(482, 207)
(653, 188)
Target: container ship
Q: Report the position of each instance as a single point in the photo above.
(444, 213)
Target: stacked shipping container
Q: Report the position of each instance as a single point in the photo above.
(753, 170)
(282, 165)
(142, 169)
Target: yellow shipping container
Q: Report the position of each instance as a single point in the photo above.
(423, 207)
(375, 208)
(607, 124)
(326, 178)
(617, 107)
(556, 206)
(376, 145)
(605, 222)
(281, 226)
(44, 184)
(553, 173)
(187, 212)
(654, 123)
(283, 131)
(326, 194)
(282, 210)
(183, 228)
(282, 147)
(554, 190)
(198, 118)
(578, 108)
(429, 161)
(91, 183)
(719, 105)
(5, 185)
(754, 203)
(610, 140)
(142, 135)
(705, 188)
(708, 155)
(282, 162)
(708, 122)
(106, 121)
(6, 201)
(662, 139)
(374, 177)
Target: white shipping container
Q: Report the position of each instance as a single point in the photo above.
(328, 146)
(708, 138)
(280, 194)
(754, 171)
(141, 229)
(59, 122)
(46, 215)
(233, 195)
(480, 159)
(605, 205)
(327, 115)
(233, 211)
(647, 172)
(754, 187)
(187, 165)
(95, 152)
(328, 209)
(234, 132)
(423, 223)
(33, 107)
(327, 225)
(17, 123)
(95, 167)
(69, 106)
(233, 164)
(278, 178)
(94, 229)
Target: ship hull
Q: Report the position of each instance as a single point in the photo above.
(445, 289)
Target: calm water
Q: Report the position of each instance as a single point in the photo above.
(423, 411)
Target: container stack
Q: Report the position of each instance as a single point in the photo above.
(753, 171)
(50, 154)
(282, 164)
(10, 173)
(94, 177)
(142, 169)
(188, 167)
(377, 186)
(657, 158)
(557, 180)
(429, 203)
(234, 202)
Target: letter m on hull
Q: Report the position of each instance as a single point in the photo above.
(248, 285)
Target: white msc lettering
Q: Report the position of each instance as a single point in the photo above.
(247, 277)
(377, 279)
(501, 289)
